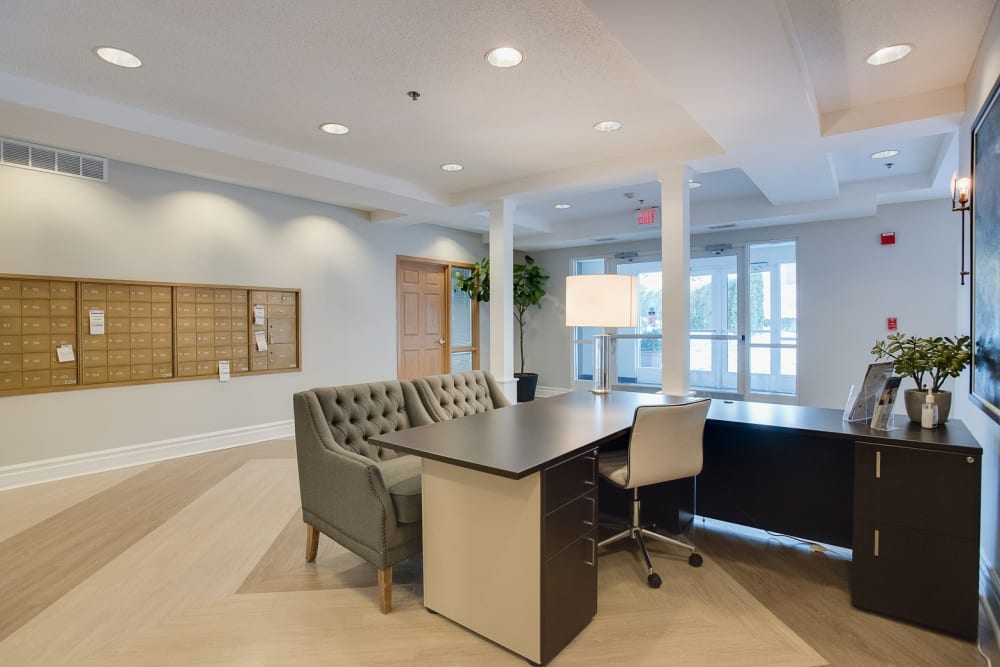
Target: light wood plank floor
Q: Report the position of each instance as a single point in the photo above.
(199, 561)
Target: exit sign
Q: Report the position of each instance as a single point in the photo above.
(647, 216)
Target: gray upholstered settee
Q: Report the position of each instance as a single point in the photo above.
(453, 395)
(362, 496)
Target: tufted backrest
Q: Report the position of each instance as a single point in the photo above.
(459, 394)
(357, 412)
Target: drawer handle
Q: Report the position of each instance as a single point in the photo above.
(593, 552)
(876, 543)
(593, 476)
(878, 466)
(593, 507)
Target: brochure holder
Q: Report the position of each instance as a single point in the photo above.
(873, 402)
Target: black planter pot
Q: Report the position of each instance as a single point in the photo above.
(526, 383)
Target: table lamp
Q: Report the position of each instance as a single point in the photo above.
(608, 300)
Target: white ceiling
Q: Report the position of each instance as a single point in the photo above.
(769, 101)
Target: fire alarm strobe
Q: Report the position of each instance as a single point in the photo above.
(888, 238)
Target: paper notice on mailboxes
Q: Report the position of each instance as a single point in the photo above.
(261, 338)
(97, 323)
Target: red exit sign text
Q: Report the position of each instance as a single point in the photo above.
(646, 216)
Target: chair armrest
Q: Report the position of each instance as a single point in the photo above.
(344, 489)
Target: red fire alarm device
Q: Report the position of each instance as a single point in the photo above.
(891, 324)
(888, 238)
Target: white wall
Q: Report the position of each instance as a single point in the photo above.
(982, 77)
(146, 224)
(848, 285)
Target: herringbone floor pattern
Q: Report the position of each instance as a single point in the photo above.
(199, 561)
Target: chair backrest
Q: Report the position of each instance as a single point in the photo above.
(356, 412)
(666, 442)
(453, 395)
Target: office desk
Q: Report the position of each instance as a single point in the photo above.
(906, 501)
(509, 515)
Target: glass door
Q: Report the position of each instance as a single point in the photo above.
(718, 324)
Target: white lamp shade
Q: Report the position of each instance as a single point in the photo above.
(602, 301)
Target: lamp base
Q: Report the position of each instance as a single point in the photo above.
(602, 357)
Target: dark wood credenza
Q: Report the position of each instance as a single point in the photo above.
(906, 501)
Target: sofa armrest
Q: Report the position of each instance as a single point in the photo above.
(344, 489)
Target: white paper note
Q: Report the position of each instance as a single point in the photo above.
(261, 338)
(97, 323)
(65, 353)
(223, 371)
(258, 313)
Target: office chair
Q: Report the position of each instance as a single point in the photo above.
(665, 444)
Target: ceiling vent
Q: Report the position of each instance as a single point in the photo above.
(44, 158)
(728, 225)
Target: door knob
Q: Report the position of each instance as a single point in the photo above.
(442, 341)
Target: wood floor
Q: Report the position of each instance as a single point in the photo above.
(200, 561)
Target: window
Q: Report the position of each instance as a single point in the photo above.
(743, 322)
(464, 320)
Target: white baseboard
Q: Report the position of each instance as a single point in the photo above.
(49, 470)
(545, 392)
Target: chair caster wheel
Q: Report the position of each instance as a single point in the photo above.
(654, 580)
(695, 560)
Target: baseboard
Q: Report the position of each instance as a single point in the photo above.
(989, 586)
(545, 392)
(49, 470)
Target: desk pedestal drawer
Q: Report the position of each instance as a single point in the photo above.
(916, 575)
(569, 594)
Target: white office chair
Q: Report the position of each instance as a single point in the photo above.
(665, 444)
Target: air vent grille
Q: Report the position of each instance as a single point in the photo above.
(44, 158)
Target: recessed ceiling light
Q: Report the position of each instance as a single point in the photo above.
(451, 166)
(117, 57)
(607, 126)
(561, 206)
(504, 56)
(889, 54)
(884, 154)
(693, 185)
(334, 128)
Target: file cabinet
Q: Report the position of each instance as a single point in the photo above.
(916, 535)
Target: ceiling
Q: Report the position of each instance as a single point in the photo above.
(769, 102)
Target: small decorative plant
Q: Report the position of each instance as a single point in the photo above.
(932, 359)
(529, 288)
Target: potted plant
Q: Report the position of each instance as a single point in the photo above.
(529, 288)
(929, 362)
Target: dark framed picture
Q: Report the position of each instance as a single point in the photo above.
(985, 377)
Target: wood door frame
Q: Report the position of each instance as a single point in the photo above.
(474, 348)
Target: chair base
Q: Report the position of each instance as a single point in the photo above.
(637, 532)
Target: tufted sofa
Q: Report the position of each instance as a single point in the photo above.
(362, 496)
(453, 395)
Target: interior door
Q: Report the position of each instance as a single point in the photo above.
(422, 306)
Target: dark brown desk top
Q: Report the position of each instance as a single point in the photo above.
(951, 436)
(524, 438)
(517, 441)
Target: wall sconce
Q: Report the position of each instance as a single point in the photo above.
(961, 192)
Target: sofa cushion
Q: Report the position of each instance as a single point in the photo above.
(453, 395)
(402, 479)
(357, 412)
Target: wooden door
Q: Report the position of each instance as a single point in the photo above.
(422, 319)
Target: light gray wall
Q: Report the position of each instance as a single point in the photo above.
(146, 224)
(848, 284)
(982, 76)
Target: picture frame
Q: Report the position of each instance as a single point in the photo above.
(984, 378)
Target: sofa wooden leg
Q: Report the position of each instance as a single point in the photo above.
(385, 590)
(312, 542)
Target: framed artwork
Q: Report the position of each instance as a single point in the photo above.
(985, 377)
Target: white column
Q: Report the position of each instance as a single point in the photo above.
(502, 296)
(675, 241)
